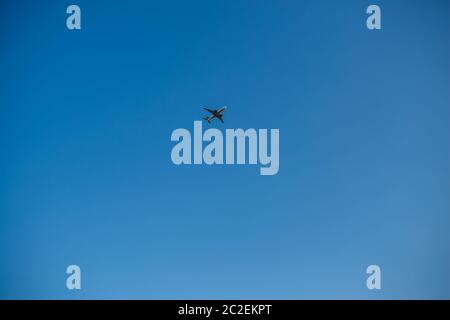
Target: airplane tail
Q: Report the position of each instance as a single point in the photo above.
(207, 119)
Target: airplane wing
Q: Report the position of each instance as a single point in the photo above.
(209, 110)
(220, 118)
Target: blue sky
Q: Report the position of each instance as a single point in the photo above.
(86, 176)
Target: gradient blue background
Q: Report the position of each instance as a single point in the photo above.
(86, 176)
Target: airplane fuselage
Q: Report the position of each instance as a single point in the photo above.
(215, 114)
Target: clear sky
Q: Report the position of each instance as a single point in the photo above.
(86, 176)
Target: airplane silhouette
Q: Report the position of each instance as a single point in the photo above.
(215, 114)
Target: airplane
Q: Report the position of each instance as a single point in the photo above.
(215, 114)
